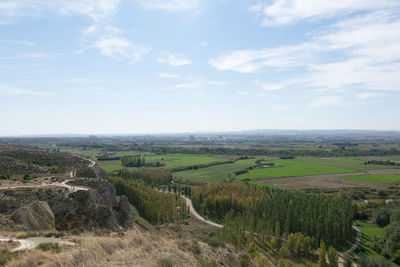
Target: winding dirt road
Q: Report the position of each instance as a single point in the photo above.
(71, 188)
(342, 255)
(30, 243)
(198, 216)
(33, 242)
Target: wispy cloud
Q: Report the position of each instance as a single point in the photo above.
(17, 42)
(248, 61)
(120, 48)
(193, 84)
(174, 60)
(279, 107)
(168, 75)
(269, 86)
(368, 46)
(327, 101)
(95, 9)
(369, 95)
(291, 11)
(26, 56)
(217, 83)
(168, 5)
(242, 92)
(7, 90)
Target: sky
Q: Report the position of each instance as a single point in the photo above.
(162, 66)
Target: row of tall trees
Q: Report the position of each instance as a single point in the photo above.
(152, 177)
(133, 161)
(271, 212)
(154, 206)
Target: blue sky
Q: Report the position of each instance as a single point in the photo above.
(157, 66)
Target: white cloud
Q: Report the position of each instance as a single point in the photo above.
(168, 75)
(95, 9)
(168, 5)
(26, 56)
(7, 90)
(173, 60)
(279, 107)
(242, 92)
(257, 7)
(326, 101)
(217, 83)
(120, 48)
(269, 86)
(193, 84)
(17, 42)
(369, 95)
(248, 61)
(362, 52)
(292, 11)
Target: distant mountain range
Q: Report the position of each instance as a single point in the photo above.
(265, 132)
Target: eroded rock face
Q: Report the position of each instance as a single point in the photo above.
(35, 216)
(125, 218)
(94, 208)
(85, 209)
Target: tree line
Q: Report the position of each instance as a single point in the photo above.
(271, 212)
(152, 177)
(382, 162)
(156, 207)
(133, 161)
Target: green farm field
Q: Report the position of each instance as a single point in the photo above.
(183, 160)
(351, 163)
(289, 168)
(217, 173)
(373, 178)
(170, 160)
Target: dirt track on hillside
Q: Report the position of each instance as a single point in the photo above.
(327, 180)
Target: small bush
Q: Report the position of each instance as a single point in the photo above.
(27, 177)
(55, 247)
(165, 262)
(4, 176)
(4, 257)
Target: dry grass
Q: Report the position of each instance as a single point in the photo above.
(134, 249)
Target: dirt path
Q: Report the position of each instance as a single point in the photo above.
(344, 254)
(33, 242)
(198, 216)
(71, 188)
(193, 211)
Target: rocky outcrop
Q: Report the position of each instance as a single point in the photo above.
(94, 208)
(125, 218)
(85, 209)
(35, 216)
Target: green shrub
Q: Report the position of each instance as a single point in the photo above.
(4, 176)
(55, 247)
(165, 262)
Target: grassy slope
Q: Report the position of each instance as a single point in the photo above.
(369, 232)
(292, 168)
(373, 178)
